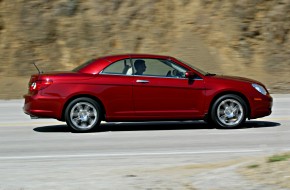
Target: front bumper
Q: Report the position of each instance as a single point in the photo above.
(261, 106)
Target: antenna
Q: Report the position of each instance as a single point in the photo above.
(37, 68)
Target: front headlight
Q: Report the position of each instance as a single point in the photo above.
(260, 88)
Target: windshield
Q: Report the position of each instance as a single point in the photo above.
(193, 67)
(83, 65)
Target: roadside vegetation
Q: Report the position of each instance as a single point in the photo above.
(274, 170)
(278, 158)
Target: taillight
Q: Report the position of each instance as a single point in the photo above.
(39, 85)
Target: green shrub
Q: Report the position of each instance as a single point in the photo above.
(253, 166)
(278, 158)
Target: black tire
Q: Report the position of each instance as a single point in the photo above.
(83, 115)
(229, 111)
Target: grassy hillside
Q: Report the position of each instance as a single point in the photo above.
(235, 37)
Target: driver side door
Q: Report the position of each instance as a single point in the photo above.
(163, 92)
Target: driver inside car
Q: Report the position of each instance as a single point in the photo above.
(140, 66)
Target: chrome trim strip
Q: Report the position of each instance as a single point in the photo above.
(146, 76)
(142, 81)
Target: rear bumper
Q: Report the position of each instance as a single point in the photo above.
(261, 107)
(38, 106)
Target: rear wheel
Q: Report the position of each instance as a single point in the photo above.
(83, 115)
(229, 111)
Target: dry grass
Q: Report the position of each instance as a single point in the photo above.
(13, 87)
(274, 170)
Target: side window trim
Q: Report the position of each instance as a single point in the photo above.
(127, 65)
(163, 61)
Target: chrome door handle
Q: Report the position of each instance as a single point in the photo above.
(142, 81)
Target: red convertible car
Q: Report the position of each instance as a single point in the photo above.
(137, 87)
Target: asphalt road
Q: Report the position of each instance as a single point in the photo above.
(43, 154)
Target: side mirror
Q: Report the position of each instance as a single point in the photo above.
(189, 74)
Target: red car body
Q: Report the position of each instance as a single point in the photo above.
(123, 97)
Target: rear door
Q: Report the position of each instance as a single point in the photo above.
(117, 90)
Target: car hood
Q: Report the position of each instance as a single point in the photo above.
(234, 78)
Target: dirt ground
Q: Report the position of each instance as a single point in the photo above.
(272, 173)
(13, 87)
(239, 174)
(244, 173)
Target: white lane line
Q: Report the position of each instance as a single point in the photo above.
(127, 154)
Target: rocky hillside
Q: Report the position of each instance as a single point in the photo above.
(235, 37)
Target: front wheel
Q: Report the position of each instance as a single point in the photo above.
(83, 114)
(229, 111)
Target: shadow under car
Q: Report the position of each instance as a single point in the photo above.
(160, 125)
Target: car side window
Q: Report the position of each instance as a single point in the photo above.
(158, 68)
(121, 67)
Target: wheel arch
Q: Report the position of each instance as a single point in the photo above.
(83, 96)
(217, 96)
